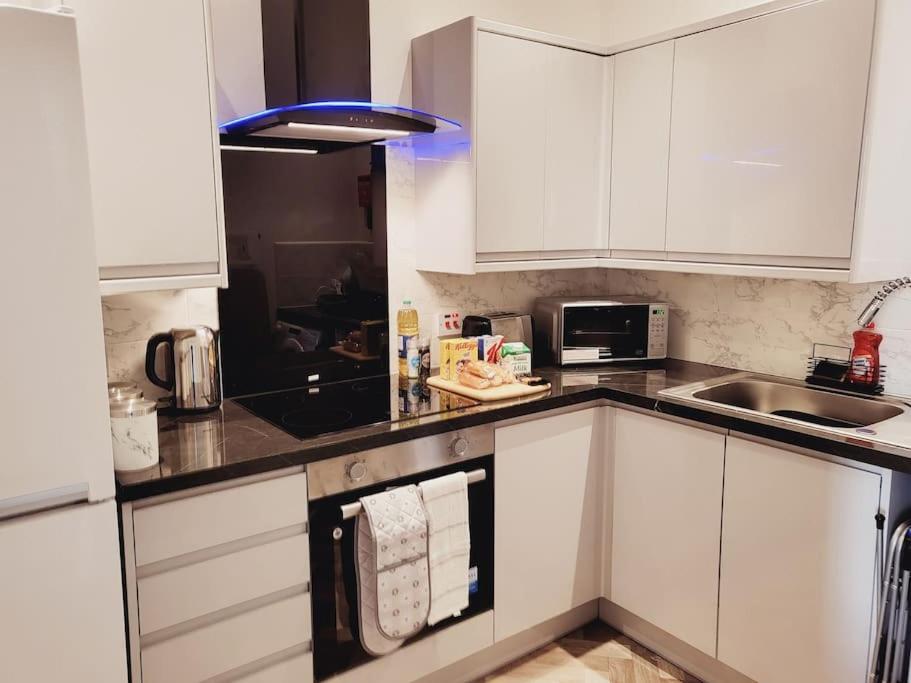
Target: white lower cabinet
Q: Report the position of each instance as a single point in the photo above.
(228, 643)
(797, 566)
(224, 596)
(547, 518)
(666, 512)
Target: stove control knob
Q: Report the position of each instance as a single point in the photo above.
(356, 471)
(459, 447)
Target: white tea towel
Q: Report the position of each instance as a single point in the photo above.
(446, 504)
(392, 570)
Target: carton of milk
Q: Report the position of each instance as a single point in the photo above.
(516, 356)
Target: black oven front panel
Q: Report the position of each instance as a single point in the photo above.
(336, 642)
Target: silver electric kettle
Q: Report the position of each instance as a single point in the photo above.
(192, 368)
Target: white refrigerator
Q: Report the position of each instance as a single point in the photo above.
(61, 598)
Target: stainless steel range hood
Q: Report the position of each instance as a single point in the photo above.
(314, 61)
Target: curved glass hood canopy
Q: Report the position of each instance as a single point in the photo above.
(319, 127)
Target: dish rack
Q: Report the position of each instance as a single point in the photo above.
(828, 366)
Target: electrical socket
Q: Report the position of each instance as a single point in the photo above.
(449, 323)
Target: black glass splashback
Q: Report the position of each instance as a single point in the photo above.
(306, 242)
(306, 234)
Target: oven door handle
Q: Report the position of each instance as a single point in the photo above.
(352, 510)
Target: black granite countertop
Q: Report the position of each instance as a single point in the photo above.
(232, 442)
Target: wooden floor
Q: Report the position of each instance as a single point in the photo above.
(594, 653)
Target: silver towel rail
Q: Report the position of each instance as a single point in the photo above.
(354, 509)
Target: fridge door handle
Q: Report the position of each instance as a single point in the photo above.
(44, 500)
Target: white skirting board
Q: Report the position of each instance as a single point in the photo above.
(474, 667)
(677, 652)
(466, 652)
(425, 656)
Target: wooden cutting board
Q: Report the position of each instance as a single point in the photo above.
(500, 393)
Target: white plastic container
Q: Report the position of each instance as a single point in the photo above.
(134, 432)
(123, 391)
(413, 357)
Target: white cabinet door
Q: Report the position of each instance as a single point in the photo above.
(666, 495)
(547, 518)
(46, 219)
(574, 148)
(155, 170)
(511, 119)
(797, 570)
(61, 597)
(641, 138)
(766, 132)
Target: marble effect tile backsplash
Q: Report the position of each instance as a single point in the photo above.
(762, 325)
(130, 319)
(486, 292)
(767, 325)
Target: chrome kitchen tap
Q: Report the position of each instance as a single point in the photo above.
(867, 315)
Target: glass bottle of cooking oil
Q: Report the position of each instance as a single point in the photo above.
(407, 323)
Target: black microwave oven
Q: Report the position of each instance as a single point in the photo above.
(581, 330)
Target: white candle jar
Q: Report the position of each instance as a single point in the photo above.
(134, 431)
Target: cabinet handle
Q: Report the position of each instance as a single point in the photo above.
(31, 503)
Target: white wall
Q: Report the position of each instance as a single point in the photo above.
(393, 23)
(625, 20)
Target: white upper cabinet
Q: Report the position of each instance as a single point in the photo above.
(766, 134)
(511, 120)
(765, 143)
(574, 148)
(641, 133)
(539, 146)
(535, 111)
(153, 148)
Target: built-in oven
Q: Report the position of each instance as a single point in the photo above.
(577, 330)
(334, 488)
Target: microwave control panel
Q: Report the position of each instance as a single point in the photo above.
(657, 330)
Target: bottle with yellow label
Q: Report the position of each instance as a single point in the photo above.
(407, 324)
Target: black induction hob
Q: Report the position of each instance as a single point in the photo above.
(312, 411)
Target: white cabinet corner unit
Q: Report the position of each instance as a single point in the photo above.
(739, 548)
(153, 143)
(711, 547)
(767, 142)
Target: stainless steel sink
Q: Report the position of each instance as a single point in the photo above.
(805, 404)
(794, 405)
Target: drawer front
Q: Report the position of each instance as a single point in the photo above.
(228, 644)
(183, 526)
(174, 596)
(298, 669)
